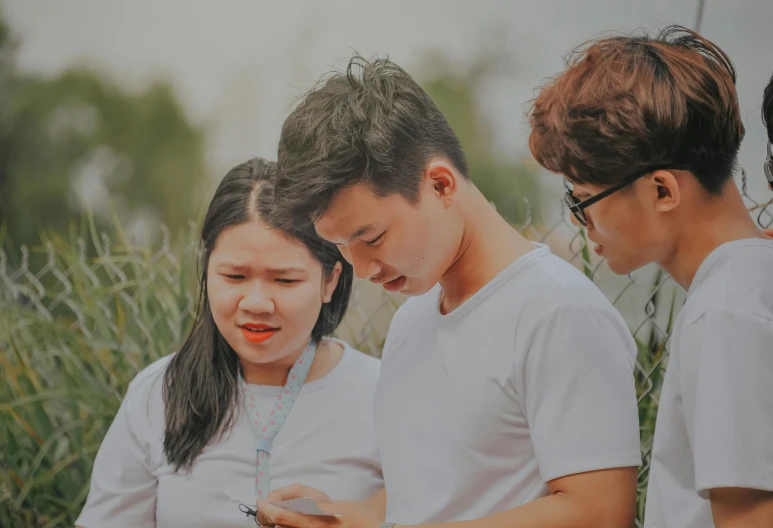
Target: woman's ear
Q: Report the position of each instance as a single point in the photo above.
(331, 282)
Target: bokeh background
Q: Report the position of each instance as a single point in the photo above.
(117, 120)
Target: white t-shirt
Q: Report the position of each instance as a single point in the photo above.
(529, 380)
(715, 422)
(327, 442)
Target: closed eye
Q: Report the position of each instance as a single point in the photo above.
(287, 281)
(234, 277)
(372, 242)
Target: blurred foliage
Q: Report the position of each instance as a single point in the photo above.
(457, 91)
(79, 140)
(68, 352)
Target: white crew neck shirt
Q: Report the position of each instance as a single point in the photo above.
(326, 442)
(529, 380)
(715, 422)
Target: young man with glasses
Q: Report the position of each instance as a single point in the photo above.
(646, 132)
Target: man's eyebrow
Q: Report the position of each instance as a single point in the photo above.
(361, 231)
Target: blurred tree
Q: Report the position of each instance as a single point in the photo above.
(456, 91)
(79, 140)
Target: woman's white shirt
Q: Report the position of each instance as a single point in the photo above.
(327, 442)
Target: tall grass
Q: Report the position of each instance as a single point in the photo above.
(80, 316)
(73, 333)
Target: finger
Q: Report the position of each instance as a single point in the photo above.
(293, 491)
(270, 515)
(329, 507)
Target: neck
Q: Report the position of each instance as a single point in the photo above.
(488, 246)
(329, 353)
(274, 373)
(706, 226)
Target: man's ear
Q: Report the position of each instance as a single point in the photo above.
(666, 193)
(442, 179)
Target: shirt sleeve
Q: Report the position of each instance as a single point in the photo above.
(578, 392)
(123, 488)
(726, 382)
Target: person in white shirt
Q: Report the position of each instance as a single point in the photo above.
(258, 396)
(506, 395)
(646, 131)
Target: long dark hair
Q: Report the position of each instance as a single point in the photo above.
(201, 384)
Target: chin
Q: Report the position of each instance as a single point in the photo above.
(624, 267)
(253, 358)
(258, 356)
(413, 289)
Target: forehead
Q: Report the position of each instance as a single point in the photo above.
(356, 211)
(254, 244)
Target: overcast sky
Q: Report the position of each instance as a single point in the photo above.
(238, 65)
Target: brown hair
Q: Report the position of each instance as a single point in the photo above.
(372, 123)
(629, 102)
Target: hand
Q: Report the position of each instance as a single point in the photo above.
(296, 491)
(768, 232)
(270, 515)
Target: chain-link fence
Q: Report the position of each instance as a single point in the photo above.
(81, 317)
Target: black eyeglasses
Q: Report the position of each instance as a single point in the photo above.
(768, 167)
(577, 207)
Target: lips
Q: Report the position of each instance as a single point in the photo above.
(258, 333)
(394, 285)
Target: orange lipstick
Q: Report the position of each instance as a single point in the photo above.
(257, 333)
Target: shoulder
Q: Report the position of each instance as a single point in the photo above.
(550, 287)
(352, 383)
(738, 281)
(145, 391)
(730, 328)
(558, 303)
(359, 362)
(741, 263)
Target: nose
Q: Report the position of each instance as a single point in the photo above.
(257, 300)
(364, 266)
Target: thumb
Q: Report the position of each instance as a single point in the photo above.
(293, 491)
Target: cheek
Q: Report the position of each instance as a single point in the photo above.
(223, 298)
(301, 304)
(617, 221)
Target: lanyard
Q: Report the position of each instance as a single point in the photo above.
(266, 431)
